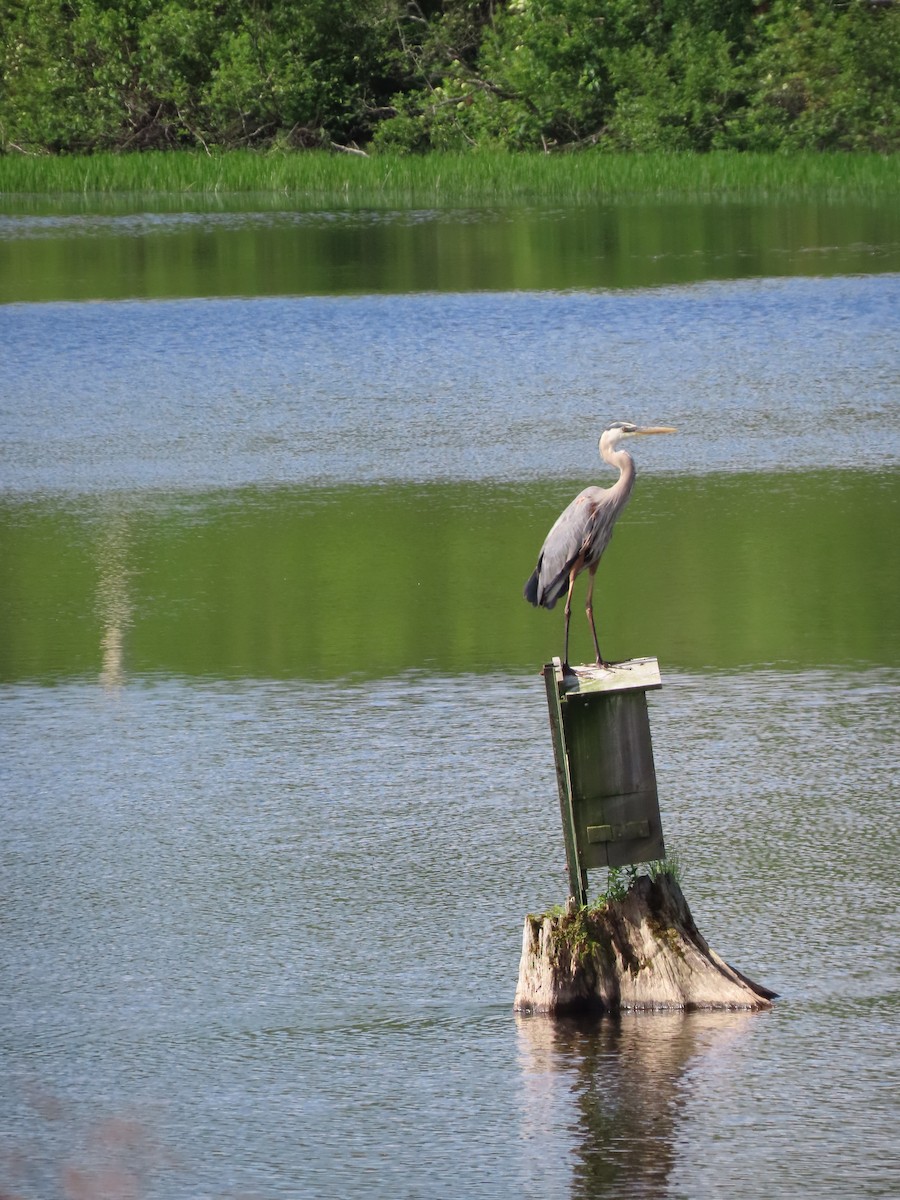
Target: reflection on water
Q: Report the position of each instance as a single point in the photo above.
(709, 572)
(114, 606)
(625, 1079)
(92, 255)
(277, 784)
(279, 925)
(296, 474)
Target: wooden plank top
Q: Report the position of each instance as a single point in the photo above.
(637, 674)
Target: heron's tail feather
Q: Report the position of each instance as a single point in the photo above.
(531, 589)
(545, 596)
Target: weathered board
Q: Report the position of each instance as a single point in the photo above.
(637, 674)
(604, 766)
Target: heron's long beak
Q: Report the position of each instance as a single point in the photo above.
(656, 429)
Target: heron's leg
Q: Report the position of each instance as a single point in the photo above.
(568, 612)
(589, 609)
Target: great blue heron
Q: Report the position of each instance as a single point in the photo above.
(582, 531)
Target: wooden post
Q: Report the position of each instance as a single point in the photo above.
(577, 872)
(604, 766)
(640, 950)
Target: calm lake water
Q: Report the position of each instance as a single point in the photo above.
(277, 782)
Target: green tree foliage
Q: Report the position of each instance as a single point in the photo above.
(657, 75)
(823, 76)
(81, 75)
(307, 70)
(94, 74)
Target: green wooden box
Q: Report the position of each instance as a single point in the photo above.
(604, 765)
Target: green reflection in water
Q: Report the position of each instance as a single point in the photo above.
(708, 572)
(638, 245)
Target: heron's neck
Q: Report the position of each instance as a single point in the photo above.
(624, 463)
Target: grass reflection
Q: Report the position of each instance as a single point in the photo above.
(707, 573)
(73, 256)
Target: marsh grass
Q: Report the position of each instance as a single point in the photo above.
(620, 880)
(327, 180)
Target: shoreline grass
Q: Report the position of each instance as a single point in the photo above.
(439, 180)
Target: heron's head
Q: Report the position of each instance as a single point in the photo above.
(619, 430)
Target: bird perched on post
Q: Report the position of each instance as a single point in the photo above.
(582, 531)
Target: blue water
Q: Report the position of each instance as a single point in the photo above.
(758, 375)
(263, 940)
(261, 937)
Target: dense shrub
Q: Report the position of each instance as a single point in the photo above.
(83, 75)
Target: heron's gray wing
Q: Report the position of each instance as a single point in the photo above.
(578, 538)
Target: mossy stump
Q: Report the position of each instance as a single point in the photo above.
(640, 952)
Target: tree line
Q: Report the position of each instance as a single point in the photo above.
(78, 76)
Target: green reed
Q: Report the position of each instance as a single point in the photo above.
(349, 180)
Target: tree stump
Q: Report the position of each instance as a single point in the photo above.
(640, 952)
